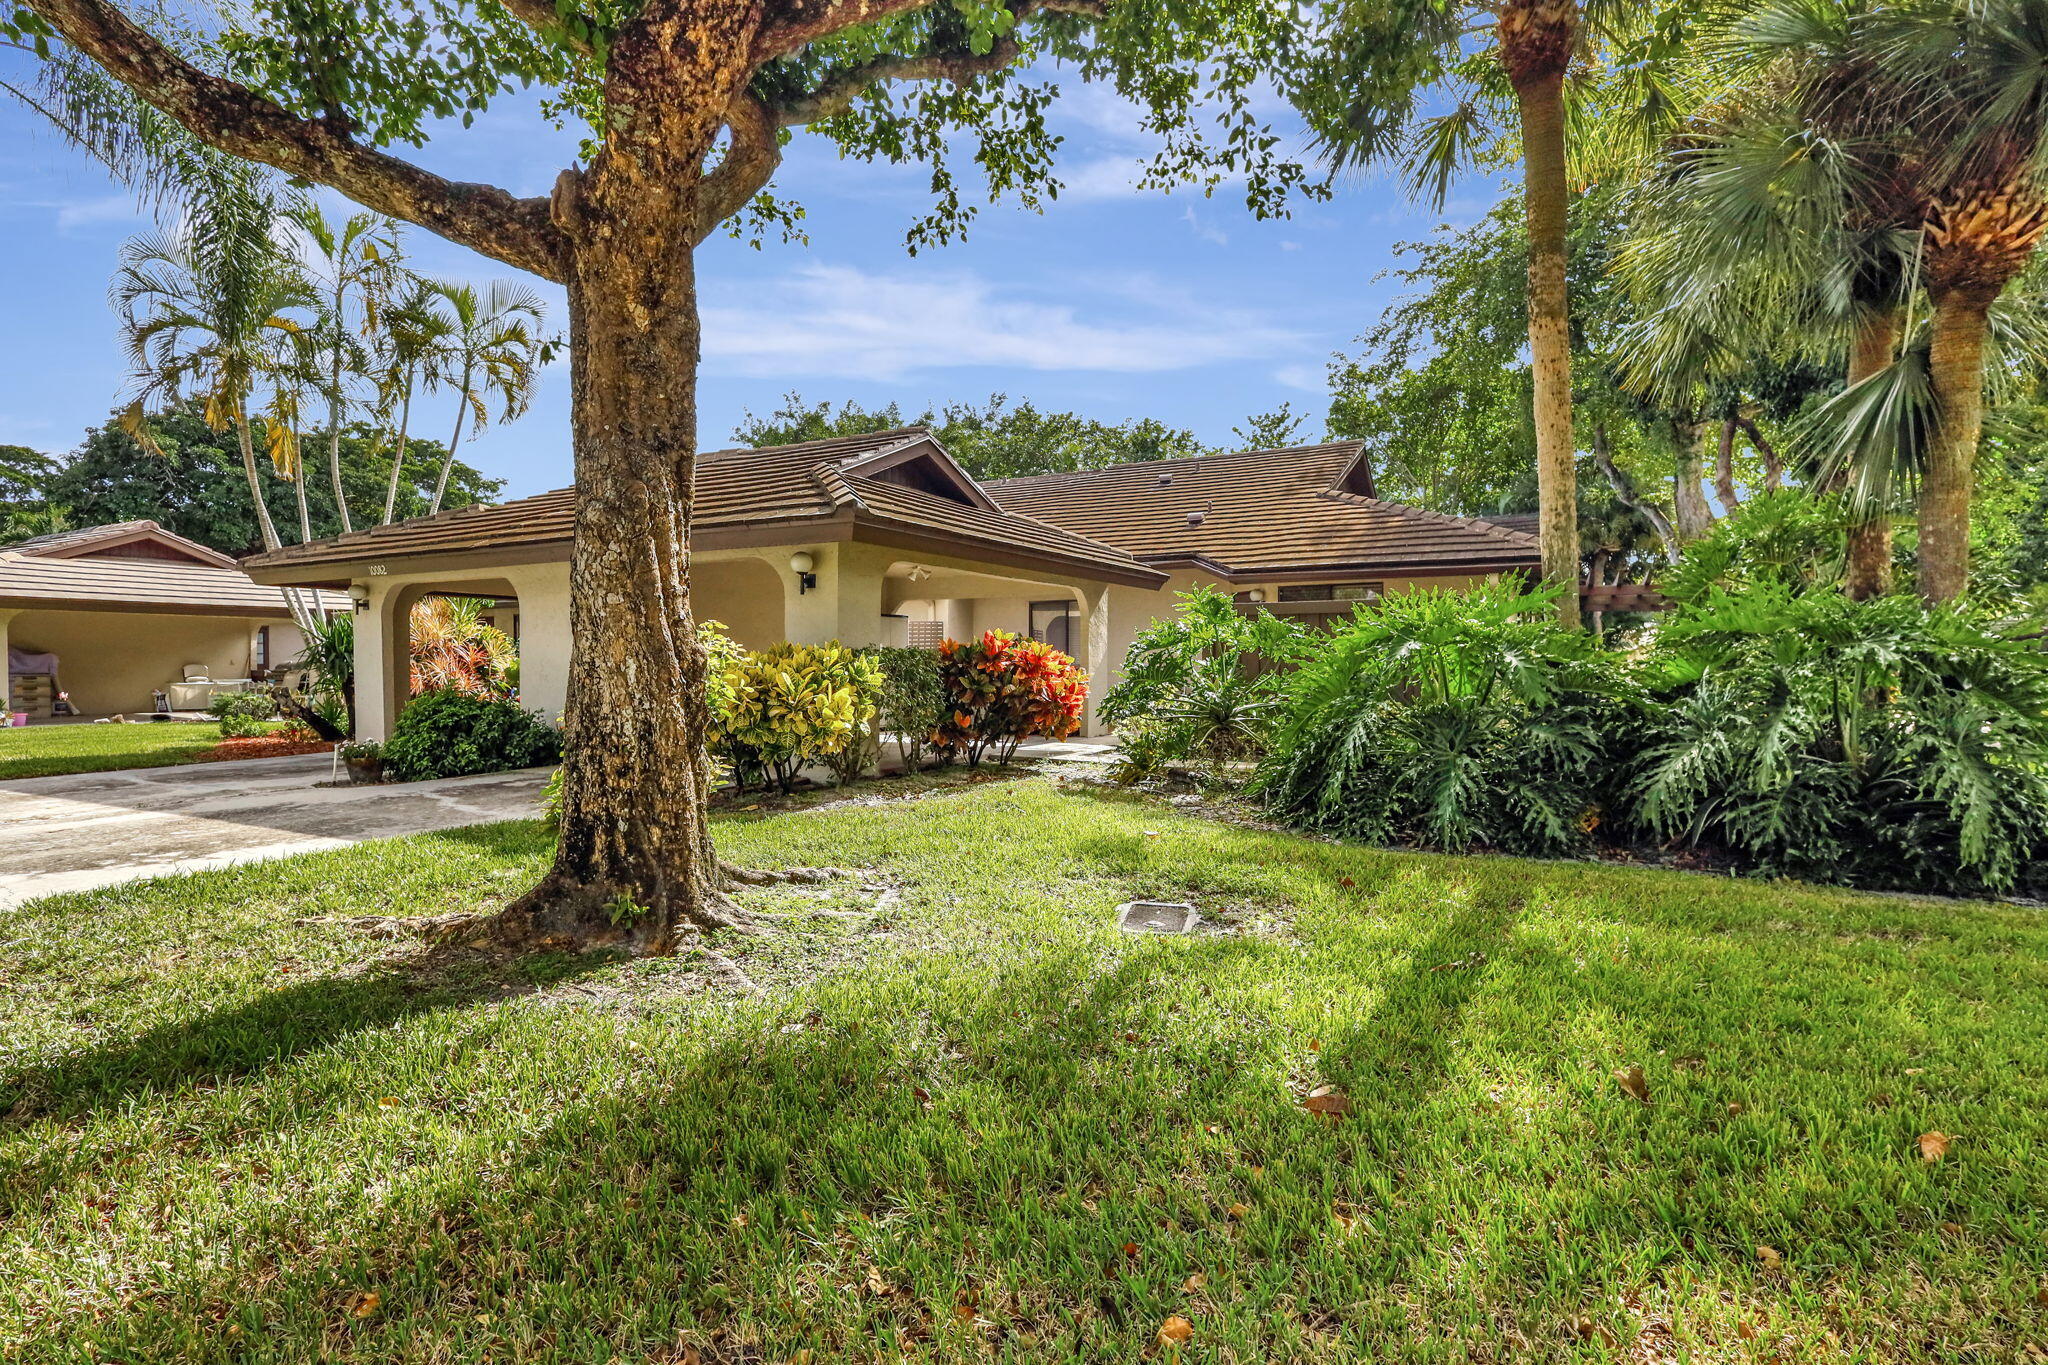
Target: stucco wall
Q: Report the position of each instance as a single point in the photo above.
(745, 594)
(113, 661)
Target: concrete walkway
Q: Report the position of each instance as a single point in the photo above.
(97, 829)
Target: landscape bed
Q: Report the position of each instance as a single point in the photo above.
(241, 1121)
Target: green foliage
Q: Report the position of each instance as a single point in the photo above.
(192, 484)
(1789, 539)
(1202, 684)
(1001, 690)
(1273, 430)
(448, 734)
(776, 711)
(329, 661)
(1454, 720)
(242, 714)
(913, 701)
(992, 440)
(1883, 743)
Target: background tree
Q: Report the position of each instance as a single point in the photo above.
(493, 347)
(1273, 430)
(688, 102)
(411, 354)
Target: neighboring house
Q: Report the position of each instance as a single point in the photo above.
(884, 539)
(113, 614)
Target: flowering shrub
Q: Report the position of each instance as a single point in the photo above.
(776, 711)
(455, 650)
(1002, 690)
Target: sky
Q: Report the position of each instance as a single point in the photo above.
(1112, 302)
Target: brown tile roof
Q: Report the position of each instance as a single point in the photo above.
(1262, 511)
(87, 583)
(86, 539)
(744, 488)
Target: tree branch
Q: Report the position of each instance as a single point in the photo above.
(242, 123)
(749, 162)
(543, 18)
(838, 89)
(1625, 493)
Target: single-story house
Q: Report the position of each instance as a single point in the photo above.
(885, 539)
(114, 614)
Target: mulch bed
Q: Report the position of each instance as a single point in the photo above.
(260, 746)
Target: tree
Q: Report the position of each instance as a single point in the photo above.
(992, 440)
(354, 267)
(412, 350)
(491, 346)
(1274, 430)
(1392, 57)
(190, 481)
(688, 102)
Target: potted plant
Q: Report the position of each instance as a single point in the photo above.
(364, 759)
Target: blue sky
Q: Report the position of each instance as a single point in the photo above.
(1114, 303)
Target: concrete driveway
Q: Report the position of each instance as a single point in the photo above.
(97, 829)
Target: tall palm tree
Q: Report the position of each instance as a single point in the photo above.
(492, 346)
(1388, 61)
(412, 352)
(354, 265)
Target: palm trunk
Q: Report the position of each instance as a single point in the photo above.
(1688, 484)
(334, 422)
(398, 452)
(1955, 365)
(1868, 572)
(299, 492)
(302, 614)
(636, 781)
(1544, 190)
(448, 460)
(1724, 468)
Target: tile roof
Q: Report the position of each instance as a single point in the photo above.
(1262, 511)
(88, 583)
(82, 541)
(811, 481)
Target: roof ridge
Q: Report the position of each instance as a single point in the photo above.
(1122, 465)
(1005, 512)
(896, 432)
(1423, 514)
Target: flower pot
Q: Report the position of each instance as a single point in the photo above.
(364, 771)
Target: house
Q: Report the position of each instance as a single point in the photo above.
(885, 539)
(113, 614)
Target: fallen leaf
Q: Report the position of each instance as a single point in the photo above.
(1315, 1045)
(1329, 1100)
(964, 1311)
(388, 1102)
(1195, 1283)
(1346, 881)
(1933, 1146)
(1175, 1331)
(1952, 1229)
(1131, 1249)
(1770, 1257)
(2041, 1296)
(1238, 1210)
(878, 1286)
(1744, 1330)
(1631, 1080)
(366, 1303)
(1734, 1108)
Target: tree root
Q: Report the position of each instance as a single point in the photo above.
(756, 876)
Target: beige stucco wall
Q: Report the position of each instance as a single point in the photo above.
(114, 661)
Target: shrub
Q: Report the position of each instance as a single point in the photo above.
(1454, 720)
(1883, 743)
(329, 663)
(242, 714)
(1001, 690)
(448, 734)
(775, 711)
(1787, 539)
(913, 701)
(454, 650)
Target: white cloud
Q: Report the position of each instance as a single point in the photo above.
(1307, 378)
(73, 214)
(1203, 229)
(844, 322)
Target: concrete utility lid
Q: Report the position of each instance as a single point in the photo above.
(1156, 917)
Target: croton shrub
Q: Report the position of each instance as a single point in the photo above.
(778, 710)
(1003, 689)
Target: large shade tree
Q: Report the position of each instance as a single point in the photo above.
(688, 103)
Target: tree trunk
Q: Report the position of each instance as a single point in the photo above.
(299, 492)
(265, 527)
(1540, 96)
(398, 452)
(1868, 571)
(1955, 365)
(448, 460)
(1688, 487)
(1625, 491)
(334, 422)
(1724, 468)
(1774, 468)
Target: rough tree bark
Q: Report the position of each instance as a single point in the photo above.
(1955, 368)
(1536, 39)
(1625, 491)
(1724, 467)
(1868, 572)
(1694, 516)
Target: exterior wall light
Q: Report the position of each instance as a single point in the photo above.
(801, 564)
(1255, 595)
(359, 595)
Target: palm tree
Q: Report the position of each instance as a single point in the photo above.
(354, 266)
(1386, 57)
(489, 348)
(412, 351)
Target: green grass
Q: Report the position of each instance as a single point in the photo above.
(47, 750)
(991, 1127)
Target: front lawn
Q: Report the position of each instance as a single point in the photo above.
(48, 750)
(986, 1125)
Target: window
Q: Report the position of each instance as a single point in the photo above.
(1056, 623)
(262, 647)
(1331, 592)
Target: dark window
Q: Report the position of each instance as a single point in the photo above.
(1056, 623)
(1330, 592)
(263, 646)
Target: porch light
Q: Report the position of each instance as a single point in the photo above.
(359, 595)
(1255, 595)
(801, 564)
